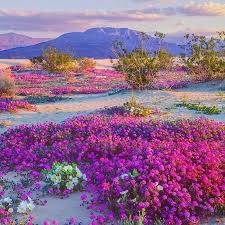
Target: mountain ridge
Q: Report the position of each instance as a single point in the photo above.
(12, 40)
(94, 42)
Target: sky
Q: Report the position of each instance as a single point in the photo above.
(51, 18)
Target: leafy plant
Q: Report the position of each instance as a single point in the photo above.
(163, 58)
(140, 220)
(209, 110)
(56, 61)
(138, 66)
(136, 109)
(62, 177)
(203, 57)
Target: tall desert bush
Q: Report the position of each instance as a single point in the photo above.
(138, 65)
(7, 84)
(204, 57)
(164, 58)
(56, 61)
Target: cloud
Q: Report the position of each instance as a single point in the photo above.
(203, 9)
(178, 37)
(64, 21)
(67, 21)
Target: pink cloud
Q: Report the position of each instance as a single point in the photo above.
(67, 21)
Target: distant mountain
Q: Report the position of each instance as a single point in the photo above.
(96, 43)
(13, 40)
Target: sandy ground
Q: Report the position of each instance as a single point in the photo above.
(55, 208)
(208, 93)
(101, 63)
(12, 62)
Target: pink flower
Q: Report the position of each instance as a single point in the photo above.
(106, 186)
(83, 197)
(46, 222)
(73, 220)
(55, 222)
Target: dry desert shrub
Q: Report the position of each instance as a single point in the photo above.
(7, 84)
(86, 63)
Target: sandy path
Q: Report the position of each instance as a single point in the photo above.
(207, 93)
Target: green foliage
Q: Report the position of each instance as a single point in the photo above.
(7, 84)
(64, 176)
(56, 61)
(203, 57)
(136, 109)
(209, 110)
(139, 65)
(139, 68)
(164, 60)
(130, 221)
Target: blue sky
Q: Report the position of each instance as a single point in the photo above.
(50, 18)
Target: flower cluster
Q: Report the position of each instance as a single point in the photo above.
(26, 206)
(136, 109)
(92, 81)
(10, 105)
(172, 171)
(64, 177)
(5, 217)
(7, 205)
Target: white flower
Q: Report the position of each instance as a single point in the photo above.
(7, 200)
(25, 206)
(68, 169)
(69, 185)
(30, 206)
(58, 169)
(10, 210)
(123, 176)
(159, 188)
(55, 179)
(22, 208)
(124, 192)
(75, 181)
(79, 174)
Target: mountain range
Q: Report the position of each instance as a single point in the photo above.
(95, 43)
(13, 40)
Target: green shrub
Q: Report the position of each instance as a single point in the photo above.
(56, 61)
(164, 59)
(204, 57)
(7, 84)
(209, 110)
(138, 67)
(136, 109)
